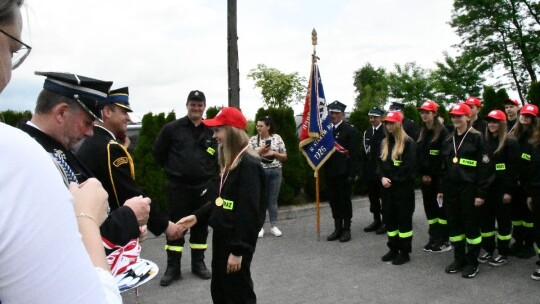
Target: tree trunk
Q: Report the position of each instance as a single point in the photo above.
(232, 56)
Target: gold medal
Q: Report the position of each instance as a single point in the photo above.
(455, 160)
(219, 201)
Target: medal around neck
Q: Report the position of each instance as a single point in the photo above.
(455, 160)
(219, 201)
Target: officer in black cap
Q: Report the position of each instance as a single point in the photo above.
(113, 166)
(408, 125)
(340, 172)
(371, 153)
(188, 152)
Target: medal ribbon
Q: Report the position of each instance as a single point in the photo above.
(222, 181)
(454, 141)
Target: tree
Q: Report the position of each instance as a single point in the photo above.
(410, 83)
(534, 93)
(456, 78)
(278, 89)
(13, 118)
(232, 55)
(503, 34)
(372, 87)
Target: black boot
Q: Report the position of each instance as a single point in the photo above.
(198, 267)
(345, 232)
(381, 230)
(375, 225)
(401, 258)
(338, 224)
(172, 272)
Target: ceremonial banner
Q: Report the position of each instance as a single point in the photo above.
(316, 138)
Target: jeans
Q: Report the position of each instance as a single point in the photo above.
(273, 183)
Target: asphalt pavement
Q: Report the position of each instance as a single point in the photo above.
(297, 268)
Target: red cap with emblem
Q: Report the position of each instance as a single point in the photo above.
(394, 116)
(497, 115)
(228, 116)
(473, 101)
(429, 105)
(460, 109)
(529, 109)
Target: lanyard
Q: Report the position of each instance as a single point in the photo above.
(461, 142)
(222, 180)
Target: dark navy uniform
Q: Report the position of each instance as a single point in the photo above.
(112, 164)
(480, 125)
(189, 155)
(503, 178)
(236, 224)
(121, 225)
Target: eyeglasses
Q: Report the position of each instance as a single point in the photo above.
(18, 57)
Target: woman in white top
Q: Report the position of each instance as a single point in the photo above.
(42, 255)
(271, 149)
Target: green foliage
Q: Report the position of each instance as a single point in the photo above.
(489, 101)
(456, 78)
(410, 83)
(149, 175)
(211, 112)
(277, 88)
(372, 87)
(293, 167)
(13, 118)
(534, 94)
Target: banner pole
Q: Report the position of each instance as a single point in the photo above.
(317, 205)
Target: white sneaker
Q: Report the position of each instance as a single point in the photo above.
(275, 231)
(261, 233)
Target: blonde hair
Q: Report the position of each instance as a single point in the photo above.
(502, 134)
(400, 136)
(235, 140)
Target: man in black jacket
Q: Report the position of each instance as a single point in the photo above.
(341, 170)
(112, 164)
(371, 142)
(187, 151)
(65, 111)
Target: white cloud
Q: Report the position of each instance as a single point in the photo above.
(162, 50)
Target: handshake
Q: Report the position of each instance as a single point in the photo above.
(177, 230)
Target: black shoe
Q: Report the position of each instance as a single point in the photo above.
(172, 273)
(454, 267)
(536, 275)
(439, 247)
(486, 257)
(338, 224)
(429, 245)
(526, 252)
(389, 256)
(373, 226)
(401, 258)
(198, 267)
(498, 260)
(381, 230)
(469, 271)
(345, 235)
(538, 262)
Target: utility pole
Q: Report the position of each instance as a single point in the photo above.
(232, 55)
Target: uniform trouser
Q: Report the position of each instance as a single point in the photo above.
(398, 209)
(436, 216)
(339, 191)
(232, 288)
(536, 220)
(463, 223)
(183, 201)
(521, 218)
(374, 191)
(494, 210)
(273, 184)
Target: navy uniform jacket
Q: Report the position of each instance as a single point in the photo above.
(241, 216)
(112, 164)
(121, 225)
(371, 151)
(188, 153)
(344, 163)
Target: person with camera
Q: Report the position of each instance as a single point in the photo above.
(271, 149)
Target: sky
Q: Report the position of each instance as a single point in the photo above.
(162, 50)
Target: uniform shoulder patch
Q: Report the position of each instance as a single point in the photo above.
(120, 161)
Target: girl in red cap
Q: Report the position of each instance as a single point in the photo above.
(397, 171)
(432, 134)
(532, 190)
(463, 184)
(502, 152)
(238, 212)
(521, 215)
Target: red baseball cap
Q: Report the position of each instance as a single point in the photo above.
(227, 116)
(529, 109)
(394, 116)
(497, 115)
(460, 109)
(429, 105)
(473, 101)
(512, 102)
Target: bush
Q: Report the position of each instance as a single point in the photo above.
(13, 118)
